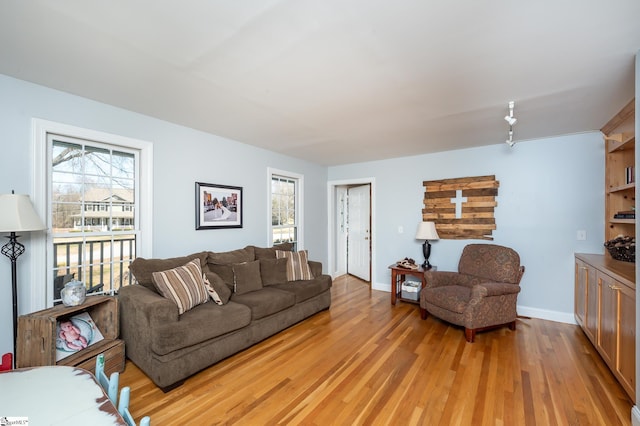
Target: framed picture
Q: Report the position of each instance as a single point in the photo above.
(218, 206)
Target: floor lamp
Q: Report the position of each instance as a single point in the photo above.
(16, 215)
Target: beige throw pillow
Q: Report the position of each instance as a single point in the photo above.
(183, 285)
(297, 265)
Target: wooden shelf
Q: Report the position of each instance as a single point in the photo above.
(620, 141)
(623, 221)
(624, 187)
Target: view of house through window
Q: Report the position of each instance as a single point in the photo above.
(284, 209)
(92, 195)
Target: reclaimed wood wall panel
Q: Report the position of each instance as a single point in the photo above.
(475, 218)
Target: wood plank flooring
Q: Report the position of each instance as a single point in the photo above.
(364, 361)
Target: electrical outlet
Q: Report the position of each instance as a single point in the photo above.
(581, 235)
(400, 230)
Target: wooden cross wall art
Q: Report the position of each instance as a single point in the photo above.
(462, 208)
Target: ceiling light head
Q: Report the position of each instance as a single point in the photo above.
(510, 119)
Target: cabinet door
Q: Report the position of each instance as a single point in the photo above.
(591, 314)
(580, 298)
(626, 363)
(607, 330)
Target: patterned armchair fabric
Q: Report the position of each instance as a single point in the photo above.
(481, 295)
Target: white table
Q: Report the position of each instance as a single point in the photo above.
(55, 395)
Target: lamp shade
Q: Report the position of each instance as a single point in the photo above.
(427, 231)
(17, 214)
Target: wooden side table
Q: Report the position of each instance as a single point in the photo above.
(398, 276)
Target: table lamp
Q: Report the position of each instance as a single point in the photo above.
(426, 231)
(16, 215)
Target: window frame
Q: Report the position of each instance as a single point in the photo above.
(40, 292)
(299, 204)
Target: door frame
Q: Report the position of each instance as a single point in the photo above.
(331, 213)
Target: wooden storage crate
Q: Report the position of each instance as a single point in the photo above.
(36, 343)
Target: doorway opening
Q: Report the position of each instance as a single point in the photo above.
(351, 228)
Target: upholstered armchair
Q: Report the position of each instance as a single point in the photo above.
(481, 295)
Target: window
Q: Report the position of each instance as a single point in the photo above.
(286, 208)
(93, 239)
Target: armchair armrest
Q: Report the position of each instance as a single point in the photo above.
(445, 278)
(488, 289)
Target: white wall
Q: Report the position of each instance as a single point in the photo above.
(182, 156)
(549, 189)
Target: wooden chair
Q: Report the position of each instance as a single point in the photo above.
(123, 409)
(109, 384)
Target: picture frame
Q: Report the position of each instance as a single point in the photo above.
(218, 206)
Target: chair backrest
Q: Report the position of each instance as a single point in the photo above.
(109, 384)
(123, 409)
(491, 262)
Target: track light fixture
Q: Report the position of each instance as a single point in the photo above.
(511, 120)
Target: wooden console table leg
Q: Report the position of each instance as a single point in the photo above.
(394, 289)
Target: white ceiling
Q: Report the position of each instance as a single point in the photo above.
(337, 81)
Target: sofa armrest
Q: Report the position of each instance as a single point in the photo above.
(316, 267)
(141, 312)
(147, 306)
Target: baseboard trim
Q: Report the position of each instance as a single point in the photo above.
(635, 415)
(381, 287)
(546, 314)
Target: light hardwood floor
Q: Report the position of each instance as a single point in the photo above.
(364, 361)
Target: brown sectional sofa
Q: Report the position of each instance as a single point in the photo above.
(170, 347)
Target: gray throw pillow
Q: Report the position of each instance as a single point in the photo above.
(247, 277)
(218, 284)
(273, 271)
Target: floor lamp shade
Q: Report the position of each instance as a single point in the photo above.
(16, 215)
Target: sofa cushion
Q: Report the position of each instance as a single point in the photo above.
(183, 285)
(219, 286)
(142, 268)
(225, 272)
(266, 301)
(273, 271)
(297, 265)
(453, 298)
(307, 289)
(204, 322)
(270, 253)
(213, 294)
(246, 277)
(246, 254)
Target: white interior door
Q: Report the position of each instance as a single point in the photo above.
(359, 232)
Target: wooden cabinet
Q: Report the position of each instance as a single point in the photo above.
(605, 308)
(586, 298)
(36, 343)
(620, 142)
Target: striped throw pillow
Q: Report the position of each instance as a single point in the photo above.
(183, 285)
(297, 265)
